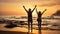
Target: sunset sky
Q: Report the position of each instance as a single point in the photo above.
(14, 7)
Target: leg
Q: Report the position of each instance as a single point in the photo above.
(28, 27)
(39, 27)
(31, 26)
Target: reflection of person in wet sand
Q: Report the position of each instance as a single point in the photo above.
(39, 19)
(29, 12)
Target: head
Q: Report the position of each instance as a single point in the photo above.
(39, 12)
(29, 9)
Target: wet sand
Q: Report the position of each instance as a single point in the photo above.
(19, 30)
(43, 32)
(12, 32)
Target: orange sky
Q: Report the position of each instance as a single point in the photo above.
(14, 7)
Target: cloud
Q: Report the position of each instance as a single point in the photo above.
(8, 0)
(38, 2)
(50, 3)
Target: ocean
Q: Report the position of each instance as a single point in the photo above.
(48, 26)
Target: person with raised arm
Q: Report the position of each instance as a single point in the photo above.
(29, 13)
(39, 19)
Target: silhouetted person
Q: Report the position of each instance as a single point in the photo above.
(29, 13)
(39, 19)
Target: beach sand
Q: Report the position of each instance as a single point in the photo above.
(43, 32)
(19, 30)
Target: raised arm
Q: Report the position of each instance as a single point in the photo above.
(44, 11)
(25, 8)
(36, 11)
(34, 8)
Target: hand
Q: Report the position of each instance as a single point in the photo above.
(23, 6)
(45, 9)
(35, 5)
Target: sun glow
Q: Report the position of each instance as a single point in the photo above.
(16, 7)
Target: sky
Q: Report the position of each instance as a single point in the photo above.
(15, 7)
